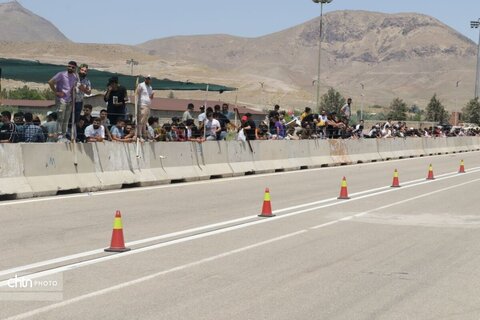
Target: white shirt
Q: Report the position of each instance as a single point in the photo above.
(92, 132)
(201, 117)
(211, 127)
(144, 92)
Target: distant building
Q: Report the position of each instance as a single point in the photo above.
(163, 108)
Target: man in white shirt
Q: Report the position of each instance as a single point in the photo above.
(212, 127)
(95, 132)
(145, 96)
(346, 110)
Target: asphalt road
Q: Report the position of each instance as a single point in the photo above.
(199, 251)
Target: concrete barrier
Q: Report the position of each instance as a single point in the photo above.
(180, 161)
(113, 165)
(319, 151)
(363, 150)
(433, 146)
(50, 168)
(13, 184)
(240, 158)
(213, 157)
(29, 170)
(339, 151)
(414, 147)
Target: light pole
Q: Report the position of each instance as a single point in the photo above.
(475, 25)
(363, 96)
(132, 63)
(456, 103)
(322, 2)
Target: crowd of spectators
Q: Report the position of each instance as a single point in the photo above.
(217, 123)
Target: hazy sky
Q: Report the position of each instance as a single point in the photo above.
(133, 22)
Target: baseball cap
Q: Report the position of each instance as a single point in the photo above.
(148, 77)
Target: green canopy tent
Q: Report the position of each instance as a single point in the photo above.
(35, 71)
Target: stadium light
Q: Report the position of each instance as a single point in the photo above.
(475, 25)
(132, 63)
(322, 2)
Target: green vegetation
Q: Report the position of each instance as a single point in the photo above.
(436, 111)
(471, 112)
(26, 93)
(332, 101)
(397, 110)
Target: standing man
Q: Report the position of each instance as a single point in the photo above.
(62, 84)
(83, 87)
(115, 97)
(187, 115)
(145, 96)
(346, 110)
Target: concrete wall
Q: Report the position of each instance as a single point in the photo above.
(34, 170)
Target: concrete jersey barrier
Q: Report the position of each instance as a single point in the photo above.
(33, 170)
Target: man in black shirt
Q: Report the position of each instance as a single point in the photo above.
(116, 96)
(8, 131)
(250, 128)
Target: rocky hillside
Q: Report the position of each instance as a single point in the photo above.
(20, 24)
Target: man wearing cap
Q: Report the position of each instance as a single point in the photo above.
(62, 84)
(145, 95)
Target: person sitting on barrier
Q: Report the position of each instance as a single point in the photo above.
(95, 132)
(212, 127)
(191, 131)
(118, 133)
(152, 125)
(8, 131)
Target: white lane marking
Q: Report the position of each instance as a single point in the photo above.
(366, 194)
(193, 183)
(77, 265)
(149, 277)
(398, 203)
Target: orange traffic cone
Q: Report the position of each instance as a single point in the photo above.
(430, 173)
(267, 206)
(462, 167)
(343, 190)
(117, 244)
(395, 183)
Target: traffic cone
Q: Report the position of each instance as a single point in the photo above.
(462, 167)
(395, 183)
(117, 244)
(343, 190)
(430, 173)
(267, 206)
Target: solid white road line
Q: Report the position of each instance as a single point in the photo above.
(216, 257)
(77, 265)
(149, 277)
(219, 224)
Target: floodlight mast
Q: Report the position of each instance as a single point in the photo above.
(476, 25)
(322, 2)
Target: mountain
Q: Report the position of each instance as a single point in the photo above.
(20, 24)
(408, 55)
(369, 56)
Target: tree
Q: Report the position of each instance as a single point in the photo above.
(398, 110)
(471, 112)
(332, 101)
(436, 111)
